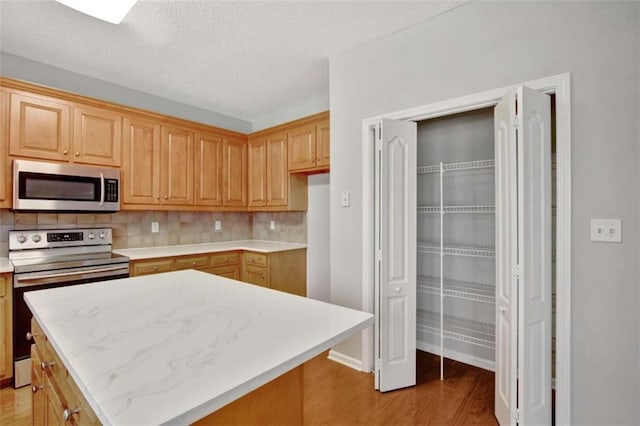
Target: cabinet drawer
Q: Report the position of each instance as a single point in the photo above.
(4, 279)
(191, 262)
(225, 258)
(151, 267)
(255, 259)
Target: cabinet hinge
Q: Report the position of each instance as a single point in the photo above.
(516, 416)
(516, 272)
(379, 255)
(515, 121)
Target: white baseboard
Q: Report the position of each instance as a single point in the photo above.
(457, 356)
(343, 359)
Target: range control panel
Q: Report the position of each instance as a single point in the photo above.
(43, 238)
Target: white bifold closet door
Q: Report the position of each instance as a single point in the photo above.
(523, 258)
(395, 244)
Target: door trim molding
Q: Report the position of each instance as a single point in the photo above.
(560, 85)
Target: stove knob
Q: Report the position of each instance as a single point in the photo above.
(102, 235)
(22, 239)
(91, 236)
(36, 238)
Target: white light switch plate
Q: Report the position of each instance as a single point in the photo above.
(346, 199)
(272, 225)
(606, 230)
(218, 225)
(155, 227)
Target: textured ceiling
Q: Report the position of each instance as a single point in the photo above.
(246, 59)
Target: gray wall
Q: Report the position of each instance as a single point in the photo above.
(36, 72)
(483, 45)
(318, 260)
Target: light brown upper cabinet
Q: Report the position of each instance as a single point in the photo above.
(176, 159)
(140, 173)
(257, 172)
(234, 173)
(208, 170)
(277, 173)
(4, 159)
(96, 136)
(39, 127)
(271, 186)
(308, 148)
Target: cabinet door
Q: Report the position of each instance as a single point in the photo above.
(235, 173)
(4, 159)
(177, 166)
(302, 148)
(96, 136)
(277, 171)
(53, 404)
(255, 275)
(39, 127)
(154, 266)
(232, 271)
(6, 342)
(208, 178)
(37, 387)
(140, 171)
(323, 145)
(257, 172)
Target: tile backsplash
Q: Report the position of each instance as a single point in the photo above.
(133, 228)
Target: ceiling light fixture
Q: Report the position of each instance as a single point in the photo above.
(112, 11)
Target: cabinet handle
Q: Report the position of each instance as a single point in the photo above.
(44, 364)
(77, 154)
(155, 268)
(30, 335)
(35, 388)
(226, 260)
(157, 197)
(65, 152)
(165, 197)
(67, 413)
(193, 263)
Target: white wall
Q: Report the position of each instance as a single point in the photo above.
(36, 72)
(318, 262)
(483, 45)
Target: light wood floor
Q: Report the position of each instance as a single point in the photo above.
(337, 395)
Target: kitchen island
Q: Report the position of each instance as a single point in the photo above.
(183, 346)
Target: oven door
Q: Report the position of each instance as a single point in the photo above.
(32, 281)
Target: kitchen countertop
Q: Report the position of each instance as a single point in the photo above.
(186, 249)
(175, 347)
(5, 265)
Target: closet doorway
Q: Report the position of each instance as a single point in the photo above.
(455, 241)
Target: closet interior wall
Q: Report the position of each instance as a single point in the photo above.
(455, 171)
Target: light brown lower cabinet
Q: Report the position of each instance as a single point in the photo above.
(283, 271)
(6, 324)
(56, 399)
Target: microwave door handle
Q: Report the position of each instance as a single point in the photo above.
(101, 189)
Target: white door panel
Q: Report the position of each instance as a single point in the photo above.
(506, 258)
(396, 272)
(534, 146)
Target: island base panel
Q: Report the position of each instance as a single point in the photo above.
(279, 402)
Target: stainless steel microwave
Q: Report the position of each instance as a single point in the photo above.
(63, 187)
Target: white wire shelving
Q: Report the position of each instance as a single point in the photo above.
(453, 250)
(478, 292)
(453, 167)
(457, 209)
(464, 330)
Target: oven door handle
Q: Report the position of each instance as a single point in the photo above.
(101, 189)
(31, 281)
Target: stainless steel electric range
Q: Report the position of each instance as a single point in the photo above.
(55, 258)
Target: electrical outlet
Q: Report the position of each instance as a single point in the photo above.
(218, 225)
(272, 225)
(606, 230)
(155, 227)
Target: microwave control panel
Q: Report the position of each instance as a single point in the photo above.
(111, 190)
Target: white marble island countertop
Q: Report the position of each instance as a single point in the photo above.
(186, 249)
(174, 347)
